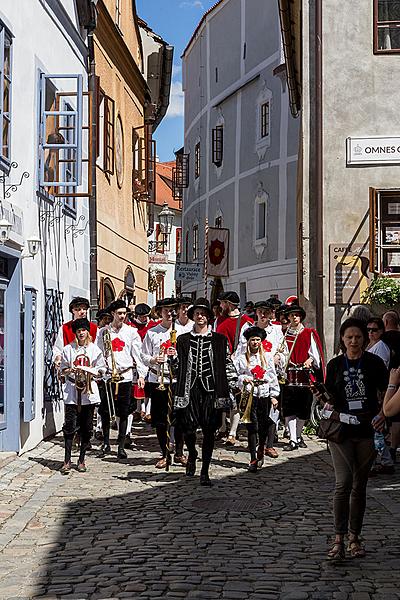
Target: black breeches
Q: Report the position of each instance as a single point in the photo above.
(258, 428)
(206, 449)
(123, 404)
(74, 420)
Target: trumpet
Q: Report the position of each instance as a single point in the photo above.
(115, 378)
(246, 401)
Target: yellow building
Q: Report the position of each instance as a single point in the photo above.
(124, 172)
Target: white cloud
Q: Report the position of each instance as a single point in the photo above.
(176, 71)
(175, 108)
(192, 4)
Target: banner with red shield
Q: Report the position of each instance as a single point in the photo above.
(218, 252)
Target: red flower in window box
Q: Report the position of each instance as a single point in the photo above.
(216, 252)
(117, 345)
(258, 372)
(267, 346)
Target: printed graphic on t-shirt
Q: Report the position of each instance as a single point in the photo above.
(117, 345)
(355, 388)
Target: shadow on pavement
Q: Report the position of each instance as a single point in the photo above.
(251, 536)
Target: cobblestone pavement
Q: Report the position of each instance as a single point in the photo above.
(126, 530)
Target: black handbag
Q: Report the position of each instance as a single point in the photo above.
(331, 430)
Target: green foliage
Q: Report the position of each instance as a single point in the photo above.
(383, 290)
(309, 429)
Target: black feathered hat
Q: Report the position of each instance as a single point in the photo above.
(295, 308)
(231, 297)
(254, 332)
(183, 300)
(264, 304)
(142, 310)
(80, 324)
(201, 303)
(78, 301)
(167, 303)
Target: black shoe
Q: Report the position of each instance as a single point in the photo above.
(105, 449)
(190, 468)
(205, 480)
(252, 468)
(301, 443)
(128, 442)
(121, 453)
(98, 435)
(290, 446)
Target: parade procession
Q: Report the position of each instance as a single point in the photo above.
(199, 299)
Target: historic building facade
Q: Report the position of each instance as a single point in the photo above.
(238, 168)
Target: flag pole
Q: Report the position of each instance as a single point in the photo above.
(205, 256)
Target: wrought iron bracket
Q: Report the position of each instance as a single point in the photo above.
(9, 188)
(75, 228)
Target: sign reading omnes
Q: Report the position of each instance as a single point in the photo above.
(373, 151)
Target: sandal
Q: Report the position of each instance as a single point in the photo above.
(161, 464)
(231, 441)
(356, 549)
(336, 552)
(65, 469)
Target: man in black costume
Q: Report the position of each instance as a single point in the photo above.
(205, 375)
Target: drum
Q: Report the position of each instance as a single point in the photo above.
(298, 376)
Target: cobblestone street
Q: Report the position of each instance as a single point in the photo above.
(125, 530)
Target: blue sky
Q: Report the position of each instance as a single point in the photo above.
(175, 21)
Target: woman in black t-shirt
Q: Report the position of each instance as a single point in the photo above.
(355, 380)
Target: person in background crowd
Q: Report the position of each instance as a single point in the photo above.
(259, 383)
(125, 355)
(361, 312)
(183, 323)
(205, 373)
(391, 401)
(78, 307)
(141, 319)
(304, 353)
(80, 391)
(391, 337)
(230, 324)
(103, 317)
(354, 379)
(156, 352)
(281, 316)
(216, 309)
(249, 309)
(376, 329)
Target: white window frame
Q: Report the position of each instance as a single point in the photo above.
(262, 198)
(196, 242)
(263, 143)
(5, 161)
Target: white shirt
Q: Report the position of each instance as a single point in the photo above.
(184, 328)
(126, 349)
(59, 343)
(270, 387)
(153, 339)
(68, 358)
(382, 350)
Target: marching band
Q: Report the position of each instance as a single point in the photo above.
(192, 369)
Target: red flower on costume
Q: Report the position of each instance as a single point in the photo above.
(216, 252)
(166, 345)
(258, 372)
(267, 346)
(117, 345)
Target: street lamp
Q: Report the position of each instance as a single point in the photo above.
(5, 228)
(166, 219)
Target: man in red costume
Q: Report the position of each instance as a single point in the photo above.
(141, 320)
(304, 350)
(78, 307)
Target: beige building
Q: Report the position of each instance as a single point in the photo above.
(124, 154)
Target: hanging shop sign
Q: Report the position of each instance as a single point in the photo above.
(349, 274)
(188, 271)
(372, 150)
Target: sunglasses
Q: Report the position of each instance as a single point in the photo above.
(370, 329)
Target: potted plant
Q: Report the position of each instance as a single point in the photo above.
(382, 294)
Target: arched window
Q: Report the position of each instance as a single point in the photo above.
(129, 280)
(108, 292)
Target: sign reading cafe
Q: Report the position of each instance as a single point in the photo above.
(372, 150)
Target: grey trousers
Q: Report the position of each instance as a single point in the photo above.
(352, 461)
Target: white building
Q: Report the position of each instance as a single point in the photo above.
(239, 164)
(164, 251)
(43, 77)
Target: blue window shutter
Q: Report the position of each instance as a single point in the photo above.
(30, 301)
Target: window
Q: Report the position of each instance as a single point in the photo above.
(260, 238)
(384, 242)
(118, 13)
(160, 277)
(60, 135)
(197, 161)
(129, 280)
(178, 240)
(217, 145)
(109, 120)
(261, 207)
(108, 292)
(264, 120)
(5, 95)
(187, 246)
(195, 253)
(386, 26)
(68, 167)
(218, 222)
(160, 246)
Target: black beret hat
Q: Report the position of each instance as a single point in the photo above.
(116, 305)
(231, 297)
(184, 300)
(254, 332)
(295, 308)
(80, 324)
(167, 303)
(263, 304)
(200, 303)
(142, 310)
(77, 301)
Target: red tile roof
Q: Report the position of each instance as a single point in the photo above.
(164, 184)
(203, 18)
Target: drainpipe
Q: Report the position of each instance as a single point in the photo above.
(92, 84)
(319, 288)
